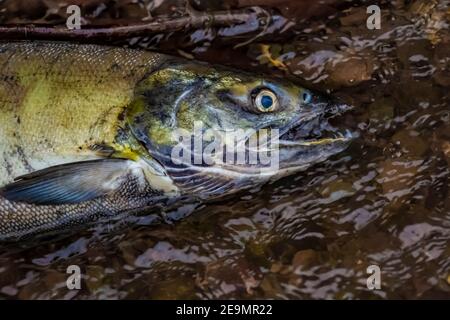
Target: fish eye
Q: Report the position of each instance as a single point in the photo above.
(307, 97)
(266, 101)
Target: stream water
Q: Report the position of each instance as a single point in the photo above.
(385, 201)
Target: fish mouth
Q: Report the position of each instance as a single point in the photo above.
(322, 129)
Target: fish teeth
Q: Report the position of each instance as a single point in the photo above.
(348, 134)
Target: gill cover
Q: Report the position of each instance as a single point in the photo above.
(180, 94)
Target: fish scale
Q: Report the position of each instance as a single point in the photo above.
(77, 92)
(22, 220)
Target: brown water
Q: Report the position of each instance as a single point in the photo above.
(385, 201)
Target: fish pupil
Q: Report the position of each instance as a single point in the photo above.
(307, 97)
(266, 101)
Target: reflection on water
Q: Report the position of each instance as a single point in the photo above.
(385, 201)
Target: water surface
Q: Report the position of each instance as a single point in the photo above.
(385, 201)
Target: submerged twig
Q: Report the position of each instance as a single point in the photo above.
(166, 25)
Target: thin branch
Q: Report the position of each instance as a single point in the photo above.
(194, 20)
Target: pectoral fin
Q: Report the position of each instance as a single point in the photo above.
(68, 183)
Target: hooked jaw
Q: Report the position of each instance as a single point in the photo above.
(313, 139)
(316, 129)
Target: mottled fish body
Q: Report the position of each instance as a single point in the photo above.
(86, 131)
(58, 100)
